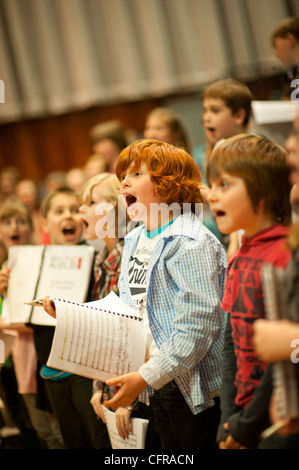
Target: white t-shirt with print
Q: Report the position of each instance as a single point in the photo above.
(137, 279)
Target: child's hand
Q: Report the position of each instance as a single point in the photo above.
(123, 422)
(97, 405)
(2, 324)
(4, 276)
(221, 445)
(49, 306)
(272, 339)
(291, 426)
(129, 387)
(230, 442)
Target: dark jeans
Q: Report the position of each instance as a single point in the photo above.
(70, 401)
(178, 427)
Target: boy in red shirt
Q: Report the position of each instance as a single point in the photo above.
(249, 190)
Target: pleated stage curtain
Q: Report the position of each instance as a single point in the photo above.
(57, 56)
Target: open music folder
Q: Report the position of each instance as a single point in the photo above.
(37, 271)
(99, 340)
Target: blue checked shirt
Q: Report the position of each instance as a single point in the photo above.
(185, 283)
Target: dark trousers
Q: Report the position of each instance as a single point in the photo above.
(16, 409)
(178, 427)
(70, 401)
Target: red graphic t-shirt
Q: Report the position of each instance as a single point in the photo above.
(244, 301)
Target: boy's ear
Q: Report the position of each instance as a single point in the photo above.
(240, 116)
(291, 39)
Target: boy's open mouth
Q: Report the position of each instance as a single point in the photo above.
(211, 129)
(130, 200)
(68, 231)
(15, 238)
(219, 213)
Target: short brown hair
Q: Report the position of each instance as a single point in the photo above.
(111, 130)
(235, 94)
(46, 205)
(262, 165)
(287, 26)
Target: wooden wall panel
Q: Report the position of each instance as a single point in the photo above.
(53, 143)
(39, 146)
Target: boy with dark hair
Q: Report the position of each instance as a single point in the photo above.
(244, 173)
(226, 113)
(285, 40)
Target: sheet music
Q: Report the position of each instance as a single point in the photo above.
(24, 262)
(99, 343)
(66, 273)
(136, 440)
(36, 271)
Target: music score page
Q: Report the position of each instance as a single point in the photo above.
(99, 340)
